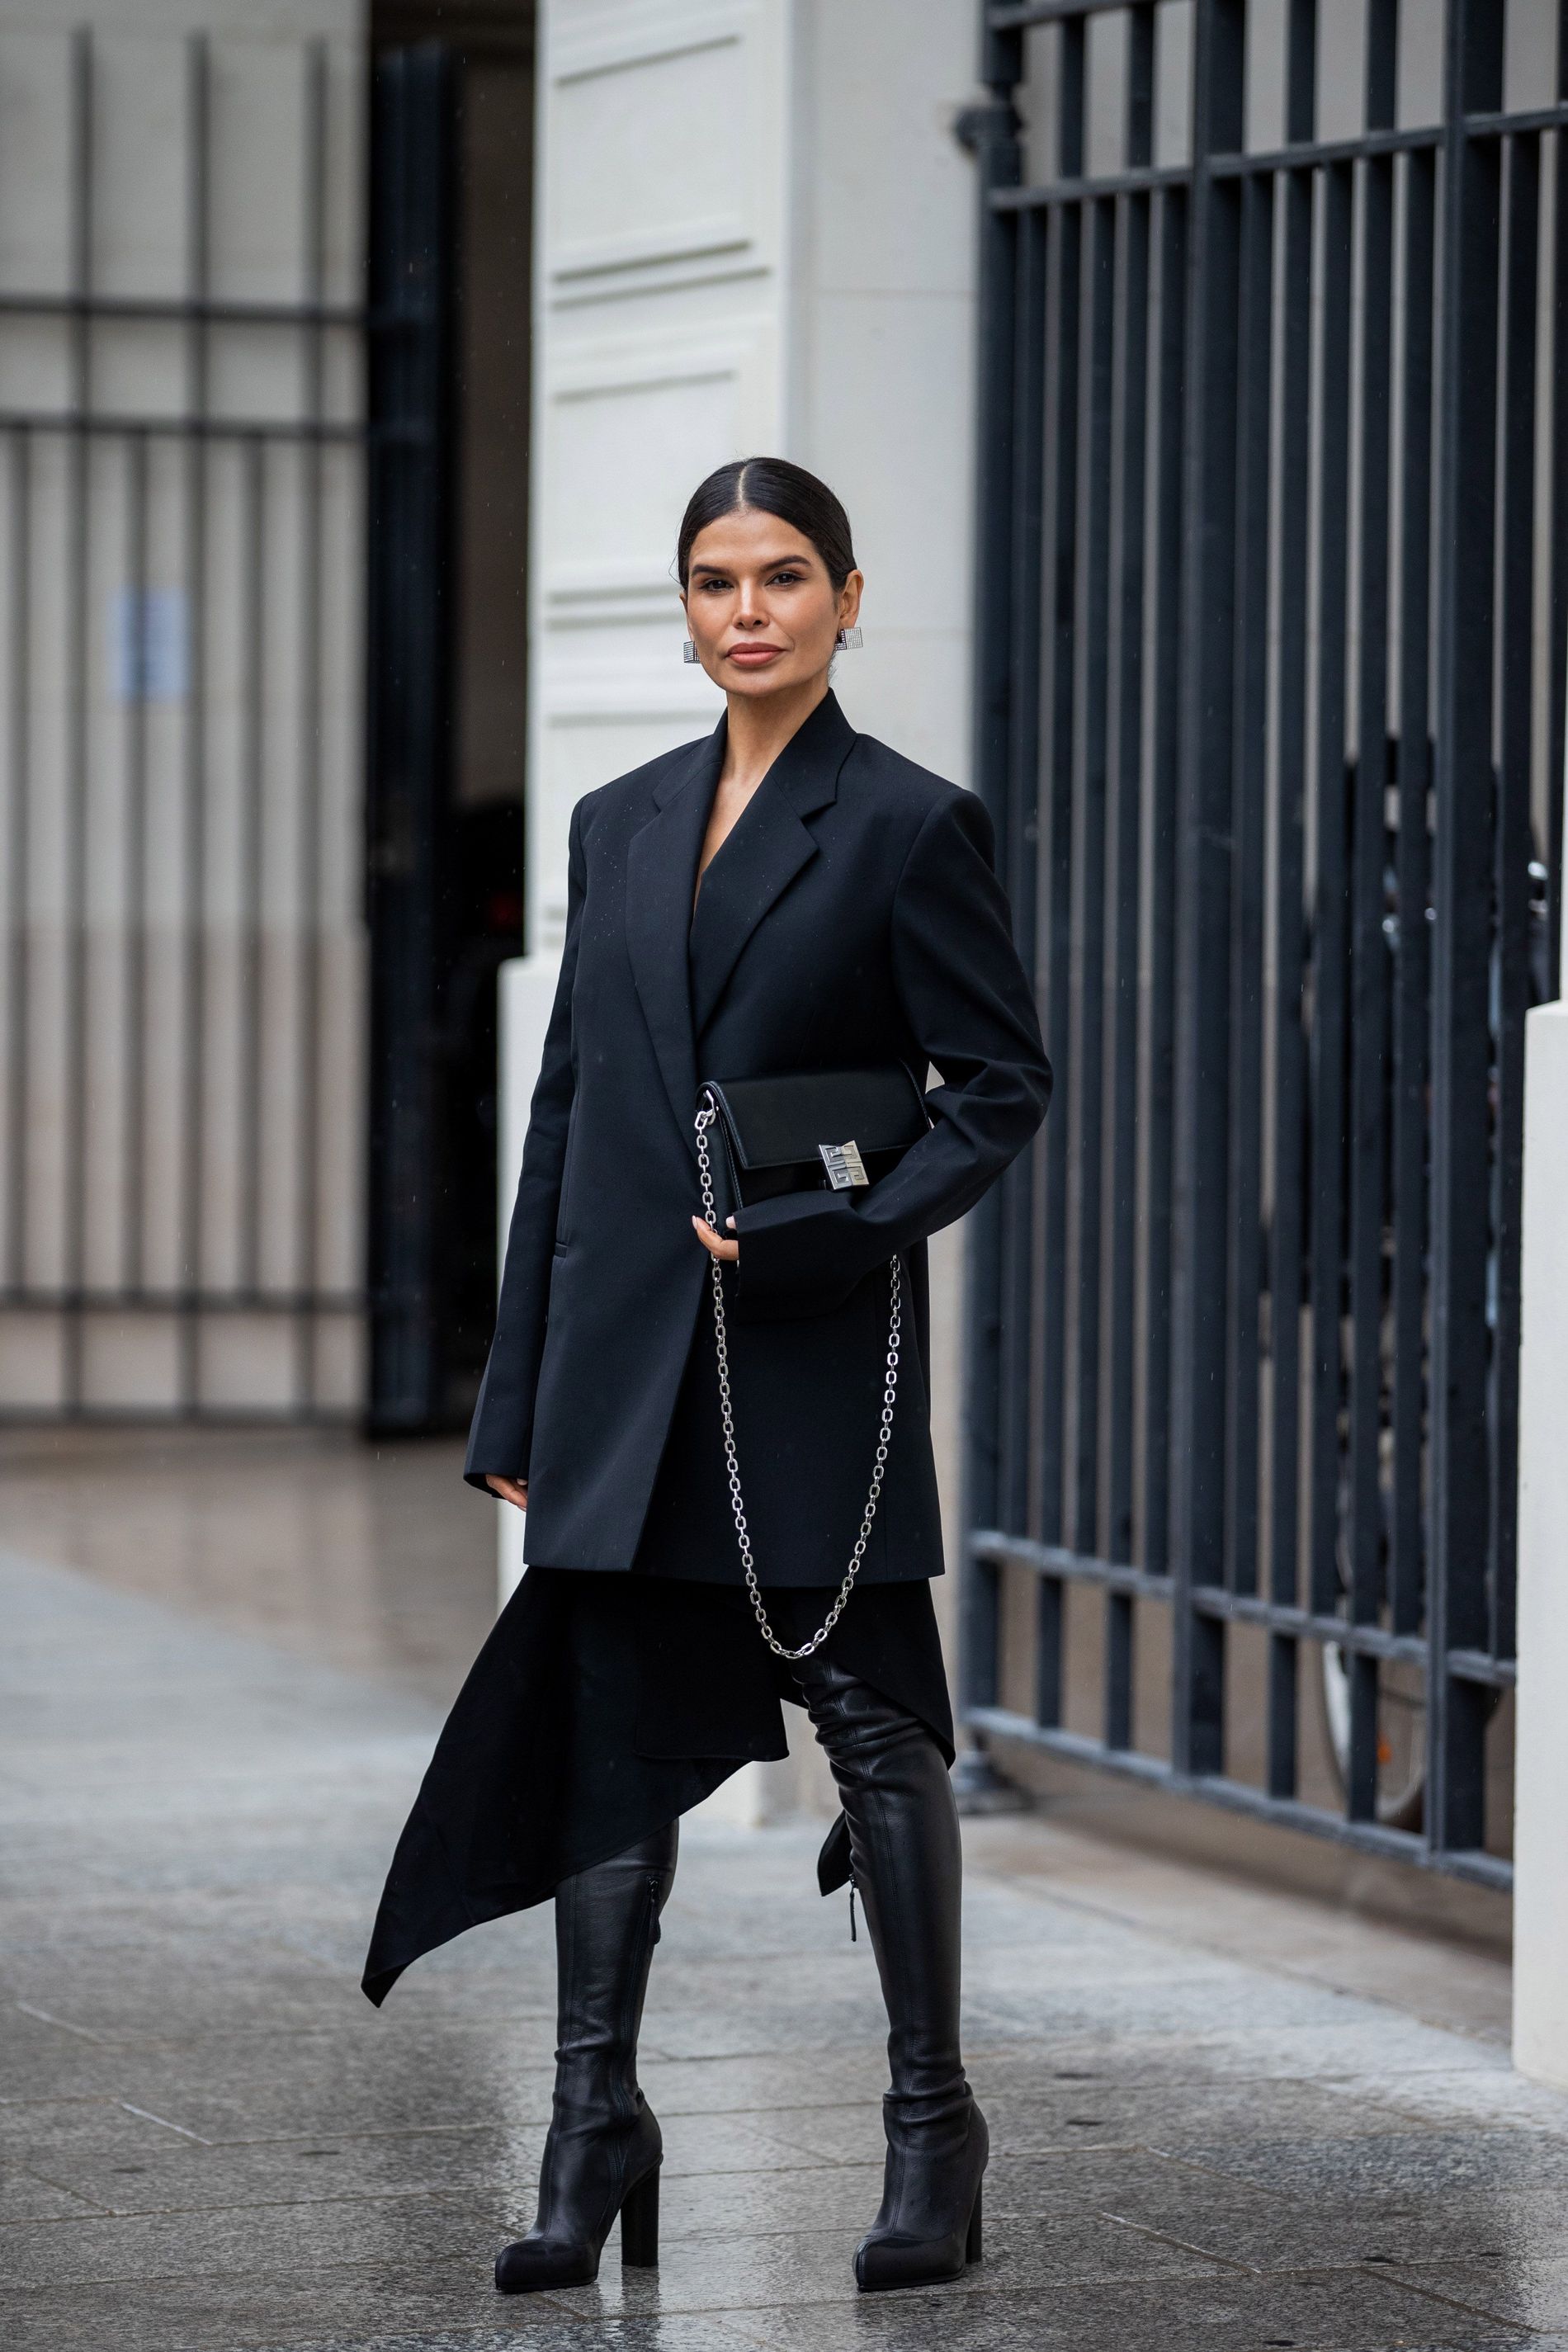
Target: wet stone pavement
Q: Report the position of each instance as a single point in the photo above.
(208, 2139)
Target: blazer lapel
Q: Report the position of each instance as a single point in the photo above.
(661, 874)
(762, 856)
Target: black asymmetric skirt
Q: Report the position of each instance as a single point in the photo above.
(602, 1707)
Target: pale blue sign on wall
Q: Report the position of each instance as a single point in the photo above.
(149, 645)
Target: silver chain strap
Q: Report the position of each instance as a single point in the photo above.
(705, 1118)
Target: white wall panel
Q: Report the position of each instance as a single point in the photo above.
(659, 330)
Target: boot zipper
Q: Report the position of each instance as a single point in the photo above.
(853, 1937)
(649, 1938)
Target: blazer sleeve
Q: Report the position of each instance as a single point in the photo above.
(502, 1425)
(970, 1007)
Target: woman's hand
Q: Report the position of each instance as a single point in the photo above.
(510, 1490)
(714, 1243)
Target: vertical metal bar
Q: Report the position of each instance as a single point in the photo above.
(1412, 974)
(1129, 526)
(1130, 530)
(1368, 1171)
(1117, 1702)
(19, 842)
(1049, 1651)
(996, 146)
(1286, 1108)
(74, 1076)
(1457, 1611)
(1280, 1774)
(414, 293)
(1329, 896)
(1286, 1236)
(1248, 810)
(1055, 968)
(1203, 1111)
(1141, 83)
(132, 1251)
(251, 848)
(1557, 652)
(1301, 70)
(1021, 1335)
(307, 1181)
(1382, 64)
(193, 893)
(1514, 848)
(1091, 696)
(1164, 765)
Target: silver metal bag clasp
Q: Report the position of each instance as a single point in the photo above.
(843, 1165)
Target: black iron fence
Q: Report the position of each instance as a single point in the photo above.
(1273, 594)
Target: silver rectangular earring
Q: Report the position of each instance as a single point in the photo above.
(847, 640)
(688, 650)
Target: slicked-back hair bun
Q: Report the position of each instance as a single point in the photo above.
(771, 486)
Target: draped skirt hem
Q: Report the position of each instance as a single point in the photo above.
(601, 1708)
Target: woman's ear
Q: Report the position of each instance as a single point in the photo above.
(849, 600)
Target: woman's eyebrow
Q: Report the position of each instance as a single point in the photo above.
(769, 563)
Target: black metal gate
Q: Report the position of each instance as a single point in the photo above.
(1273, 590)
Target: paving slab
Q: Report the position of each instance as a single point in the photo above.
(1220, 2312)
(1386, 2231)
(1424, 2164)
(28, 2197)
(1530, 2294)
(210, 2143)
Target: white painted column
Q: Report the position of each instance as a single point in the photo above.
(1541, 1761)
(527, 993)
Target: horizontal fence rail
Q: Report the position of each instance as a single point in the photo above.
(1271, 616)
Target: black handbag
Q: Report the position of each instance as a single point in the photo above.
(810, 1131)
(806, 1131)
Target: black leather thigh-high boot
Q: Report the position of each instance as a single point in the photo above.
(603, 2153)
(908, 1871)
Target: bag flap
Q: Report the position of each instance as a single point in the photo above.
(779, 1122)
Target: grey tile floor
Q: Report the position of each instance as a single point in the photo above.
(209, 2141)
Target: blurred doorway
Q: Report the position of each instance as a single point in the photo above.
(451, 216)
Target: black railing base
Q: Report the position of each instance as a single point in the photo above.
(981, 1789)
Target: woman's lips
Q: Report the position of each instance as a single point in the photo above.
(754, 657)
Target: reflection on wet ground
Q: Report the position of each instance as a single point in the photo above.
(1221, 2118)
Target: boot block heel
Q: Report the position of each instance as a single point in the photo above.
(639, 2224)
(972, 2244)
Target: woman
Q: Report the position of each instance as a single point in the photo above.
(787, 896)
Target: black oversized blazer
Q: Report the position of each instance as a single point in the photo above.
(851, 917)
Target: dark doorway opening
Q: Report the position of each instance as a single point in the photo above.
(451, 179)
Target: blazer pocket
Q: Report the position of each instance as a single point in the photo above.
(568, 1165)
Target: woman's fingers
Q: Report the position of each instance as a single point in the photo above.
(715, 1244)
(510, 1490)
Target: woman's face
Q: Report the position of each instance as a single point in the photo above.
(759, 604)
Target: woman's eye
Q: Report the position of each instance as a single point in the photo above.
(786, 580)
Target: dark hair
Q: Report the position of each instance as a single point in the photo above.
(771, 486)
